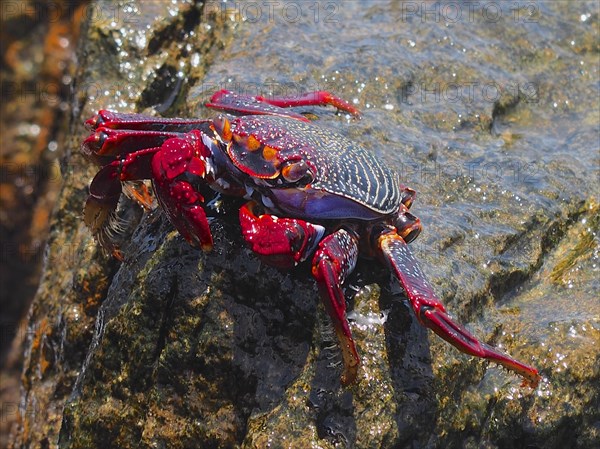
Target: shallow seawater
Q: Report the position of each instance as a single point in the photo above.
(490, 114)
(492, 117)
(572, 271)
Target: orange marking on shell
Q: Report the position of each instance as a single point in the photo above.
(240, 140)
(253, 144)
(249, 143)
(226, 133)
(269, 153)
(223, 128)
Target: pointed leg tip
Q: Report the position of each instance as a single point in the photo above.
(532, 379)
(118, 254)
(349, 375)
(93, 122)
(195, 242)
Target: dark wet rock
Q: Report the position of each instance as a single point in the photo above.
(175, 348)
(36, 69)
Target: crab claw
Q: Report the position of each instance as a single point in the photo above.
(432, 314)
(176, 168)
(281, 242)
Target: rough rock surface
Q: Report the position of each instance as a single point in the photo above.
(175, 348)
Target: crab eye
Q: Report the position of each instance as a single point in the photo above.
(296, 171)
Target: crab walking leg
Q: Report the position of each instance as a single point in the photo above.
(282, 242)
(250, 105)
(129, 121)
(333, 262)
(432, 314)
(117, 134)
(105, 191)
(317, 98)
(111, 143)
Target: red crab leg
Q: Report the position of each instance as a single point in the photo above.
(120, 120)
(114, 142)
(105, 191)
(119, 133)
(284, 242)
(432, 314)
(247, 104)
(317, 98)
(281, 242)
(333, 262)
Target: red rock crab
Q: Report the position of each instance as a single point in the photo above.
(311, 193)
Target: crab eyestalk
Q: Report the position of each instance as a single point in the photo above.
(407, 196)
(407, 225)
